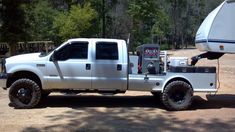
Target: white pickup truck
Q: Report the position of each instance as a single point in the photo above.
(102, 66)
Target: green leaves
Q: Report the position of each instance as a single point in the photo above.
(149, 21)
(13, 24)
(48, 23)
(40, 16)
(143, 9)
(75, 22)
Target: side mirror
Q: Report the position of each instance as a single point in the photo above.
(54, 56)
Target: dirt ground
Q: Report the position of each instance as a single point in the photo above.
(133, 111)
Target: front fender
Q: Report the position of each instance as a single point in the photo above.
(29, 68)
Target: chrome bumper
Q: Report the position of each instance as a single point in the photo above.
(3, 80)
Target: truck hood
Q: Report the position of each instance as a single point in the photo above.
(25, 58)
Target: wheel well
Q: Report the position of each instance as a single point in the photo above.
(178, 79)
(23, 74)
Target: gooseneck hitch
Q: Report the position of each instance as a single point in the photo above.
(208, 55)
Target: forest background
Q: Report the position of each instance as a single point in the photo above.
(170, 23)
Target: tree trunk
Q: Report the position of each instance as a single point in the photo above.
(13, 49)
(182, 41)
(103, 20)
(186, 45)
(174, 12)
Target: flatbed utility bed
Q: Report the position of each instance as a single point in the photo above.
(200, 81)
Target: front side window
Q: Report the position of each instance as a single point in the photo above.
(75, 50)
(106, 51)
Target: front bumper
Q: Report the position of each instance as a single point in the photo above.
(3, 80)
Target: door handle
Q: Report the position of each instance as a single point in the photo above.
(88, 66)
(119, 67)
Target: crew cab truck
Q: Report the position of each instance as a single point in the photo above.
(103, 66)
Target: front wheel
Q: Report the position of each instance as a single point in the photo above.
(177, 95)
(24, 94)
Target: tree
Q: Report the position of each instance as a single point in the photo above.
(13, 27)
(148, 20)
(161, 28)
(75, 22)
(104, 21)
(40, 16)
(118, 22)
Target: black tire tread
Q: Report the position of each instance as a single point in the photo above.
(35, 100)
(165, 96)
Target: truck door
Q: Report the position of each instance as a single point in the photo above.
(72, 68)
(108, 70)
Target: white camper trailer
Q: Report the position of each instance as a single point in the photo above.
(217, 32)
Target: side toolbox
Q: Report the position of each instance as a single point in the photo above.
(192, 69)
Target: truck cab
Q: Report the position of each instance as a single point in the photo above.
(88, 64)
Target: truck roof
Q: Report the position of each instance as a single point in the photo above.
(95, 39)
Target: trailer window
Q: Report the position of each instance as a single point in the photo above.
(106, 51)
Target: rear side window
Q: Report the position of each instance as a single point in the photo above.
(79, 50)
(106, 51)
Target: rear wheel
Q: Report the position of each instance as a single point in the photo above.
(24, 94)
(177, 95)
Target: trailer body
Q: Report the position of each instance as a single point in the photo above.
(216, 33)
